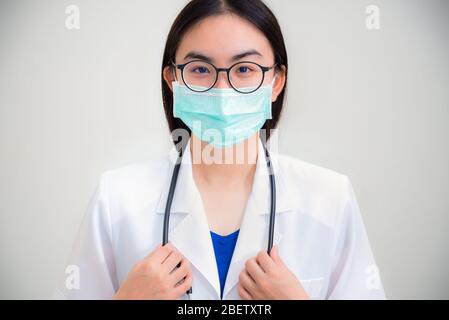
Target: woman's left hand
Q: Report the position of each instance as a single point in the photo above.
(266, 277)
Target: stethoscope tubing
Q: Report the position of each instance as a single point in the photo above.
(171, 192)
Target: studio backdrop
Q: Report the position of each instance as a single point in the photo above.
(368, 96)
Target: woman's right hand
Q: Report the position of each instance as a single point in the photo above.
(157, 277)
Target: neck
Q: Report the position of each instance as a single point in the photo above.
(228, 166)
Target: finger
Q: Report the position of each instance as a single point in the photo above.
(265, 261)
(180, 273)
(160, 253)
(274, 254)
(247, 282)
(172, 261)
(244, 294)
(185, 285)
(254, 269)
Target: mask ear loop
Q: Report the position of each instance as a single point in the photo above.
(274, 78)
(174, 73)
(173, 67)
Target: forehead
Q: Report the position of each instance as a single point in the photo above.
(224, 36)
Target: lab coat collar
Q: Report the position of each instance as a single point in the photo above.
(186, 193)
(191, 235)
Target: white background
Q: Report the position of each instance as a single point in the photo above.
(370, 104)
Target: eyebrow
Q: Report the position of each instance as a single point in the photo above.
(200, 56)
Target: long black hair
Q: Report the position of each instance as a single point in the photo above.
(254, 11)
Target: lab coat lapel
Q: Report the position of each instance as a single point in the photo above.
(192, 238)
(189, 229)
(253, 235)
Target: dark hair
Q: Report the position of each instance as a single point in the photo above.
(254, 11)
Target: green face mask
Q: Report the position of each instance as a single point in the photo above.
(222, 117)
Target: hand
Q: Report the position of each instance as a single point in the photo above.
(157, 277)
(266, 277)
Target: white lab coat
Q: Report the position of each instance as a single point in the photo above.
(319, 231)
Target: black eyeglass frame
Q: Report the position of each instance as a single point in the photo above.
(227, 70)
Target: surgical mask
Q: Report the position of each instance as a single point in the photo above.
(222, 117)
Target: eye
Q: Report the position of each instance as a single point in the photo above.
(243, 69)
(200, 70)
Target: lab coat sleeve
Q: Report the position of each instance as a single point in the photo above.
(90, 272)
(354, 274)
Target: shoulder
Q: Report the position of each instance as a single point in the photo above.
(315, 190)
(309, 171)
(311, 175)
(135, 185)
(137, 172)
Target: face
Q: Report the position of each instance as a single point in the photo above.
(225, 40)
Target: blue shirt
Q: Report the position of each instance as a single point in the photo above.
(224, 248)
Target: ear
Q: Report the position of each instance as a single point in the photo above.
(279, 83)
(169, 76)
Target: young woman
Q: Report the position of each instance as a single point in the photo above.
(224, 76)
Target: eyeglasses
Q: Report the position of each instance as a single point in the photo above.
(244, 77)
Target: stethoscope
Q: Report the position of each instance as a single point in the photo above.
(171, 192)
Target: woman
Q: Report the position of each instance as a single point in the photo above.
(224, 77)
